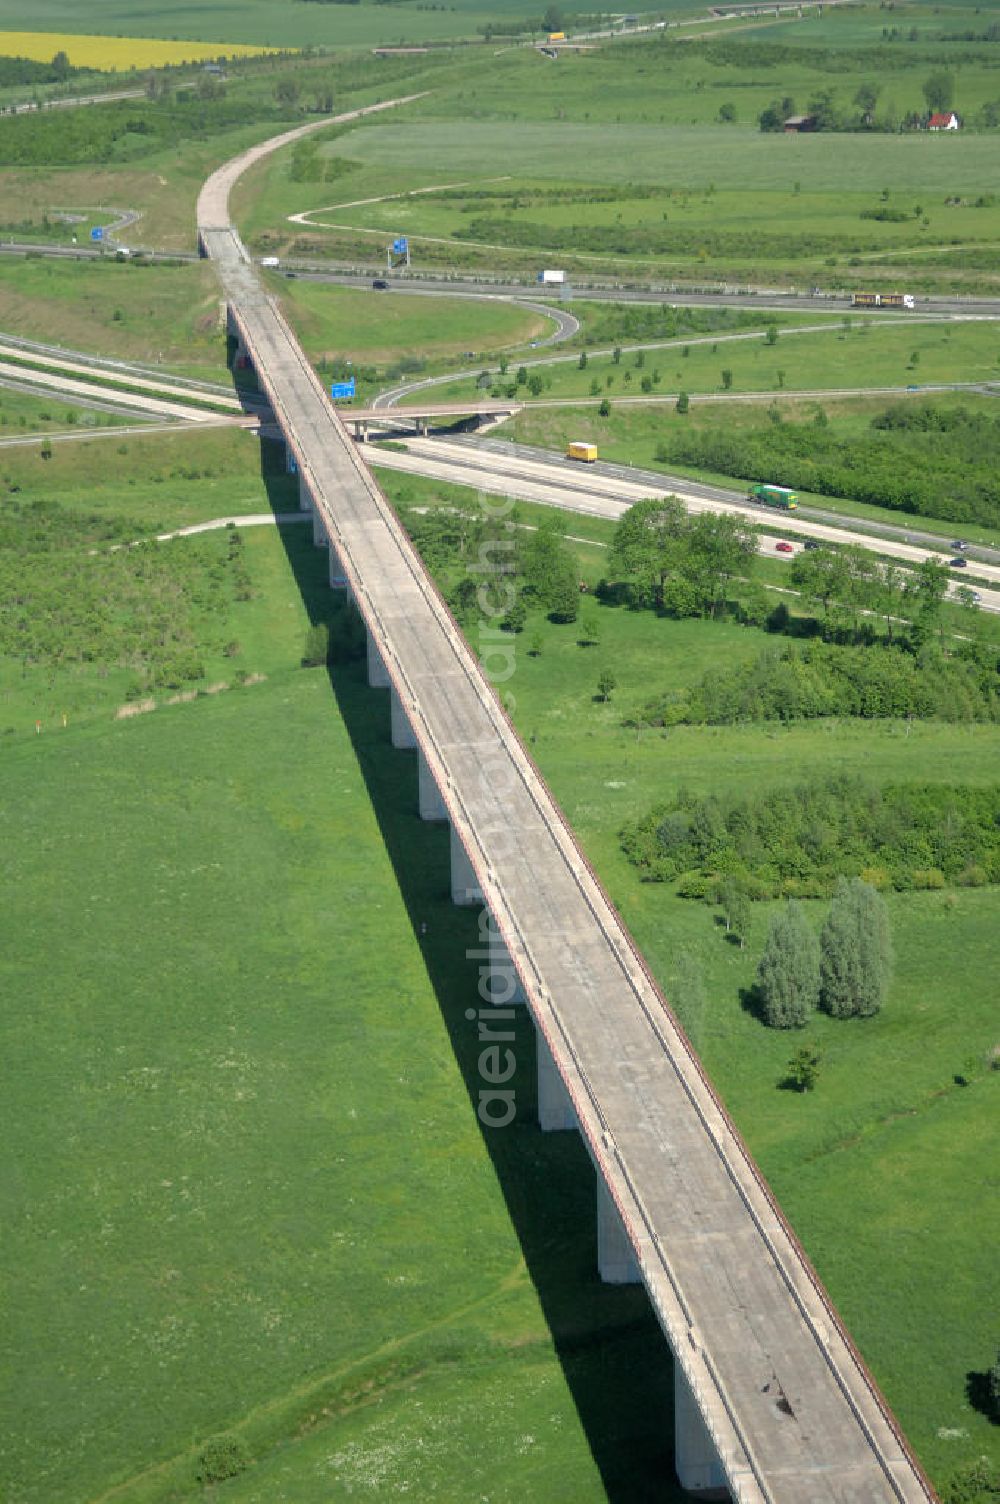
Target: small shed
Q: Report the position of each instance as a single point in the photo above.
(796, 124)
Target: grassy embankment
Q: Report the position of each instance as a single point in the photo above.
(875, 353)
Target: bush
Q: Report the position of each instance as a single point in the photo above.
(222, 1457)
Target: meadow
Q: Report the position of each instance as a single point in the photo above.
(297, 1298)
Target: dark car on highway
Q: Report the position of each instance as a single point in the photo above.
(959, 544)
(958, 563)
(380, 284)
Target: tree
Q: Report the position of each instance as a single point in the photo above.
(590, 629)
(535, 385)
(60, 65)
(522, 376)
(550, 575)
(286, 92)
(771, 337)
(604, 410)
(552, 20)
(683, 402)
(727, 380)
(516, 617)
(582, 362)
(735, 910)
(939, 91)
(803, 1068)
(788, 973)
(727, 114)
(824, 111)
(648, 545)
(866, 99)
(720, 545)
(855, 952)
(616, 355)
(605, 684)
(773, 117)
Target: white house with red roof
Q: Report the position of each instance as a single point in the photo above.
(949, 122)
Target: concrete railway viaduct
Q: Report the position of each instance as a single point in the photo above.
(772, 1400)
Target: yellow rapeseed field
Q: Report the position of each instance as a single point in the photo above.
(116, 54)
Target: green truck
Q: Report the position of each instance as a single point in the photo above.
(774, 496)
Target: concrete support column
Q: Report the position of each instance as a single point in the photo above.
(377, 676)
(402, 731)
(555, 1109)
(305, 497)
(338, 579)
(499, 983)
(320, 538)
(465, 889)
(291, 463)
(695, 1458)
(615, 1257)
(432, 806)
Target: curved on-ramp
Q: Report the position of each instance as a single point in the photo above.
(791, 1410)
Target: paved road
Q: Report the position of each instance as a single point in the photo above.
(793, 1413)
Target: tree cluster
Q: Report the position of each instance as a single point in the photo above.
(793, 682)
(925, 459)
(845, 971)
(672, 561)
(799, 840)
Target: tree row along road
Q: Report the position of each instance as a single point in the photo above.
(792, 1411)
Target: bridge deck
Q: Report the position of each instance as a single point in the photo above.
(792, 1411)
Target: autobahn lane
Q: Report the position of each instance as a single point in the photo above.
(793, 1414)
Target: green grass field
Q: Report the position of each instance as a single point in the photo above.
(867, 354)
(343, 323)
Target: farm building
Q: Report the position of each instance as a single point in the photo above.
(949, 122)
(795, 124)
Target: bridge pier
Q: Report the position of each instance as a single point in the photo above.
(616, 1261)
(378, 678)
(320, 539)
(305, 497)
(555, 1109)
(291, 463)
(402, 732)
(337, 577)
(696, 1461)
(465, 889)
(499, 982)
(432, 806)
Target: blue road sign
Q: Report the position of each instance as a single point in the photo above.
(342, 389)
(97, 233)
(399, 245)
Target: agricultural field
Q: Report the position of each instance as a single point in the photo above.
(114, 54)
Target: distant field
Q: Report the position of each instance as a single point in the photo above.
(282, 23)
(114, 54)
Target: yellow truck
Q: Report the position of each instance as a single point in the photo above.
(557, 36)
(585, 452)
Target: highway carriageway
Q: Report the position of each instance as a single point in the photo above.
(772, 1399)
(506, 470)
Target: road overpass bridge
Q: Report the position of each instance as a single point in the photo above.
(417, 417)
(772, 1400)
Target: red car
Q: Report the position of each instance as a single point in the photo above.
(783, 548)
